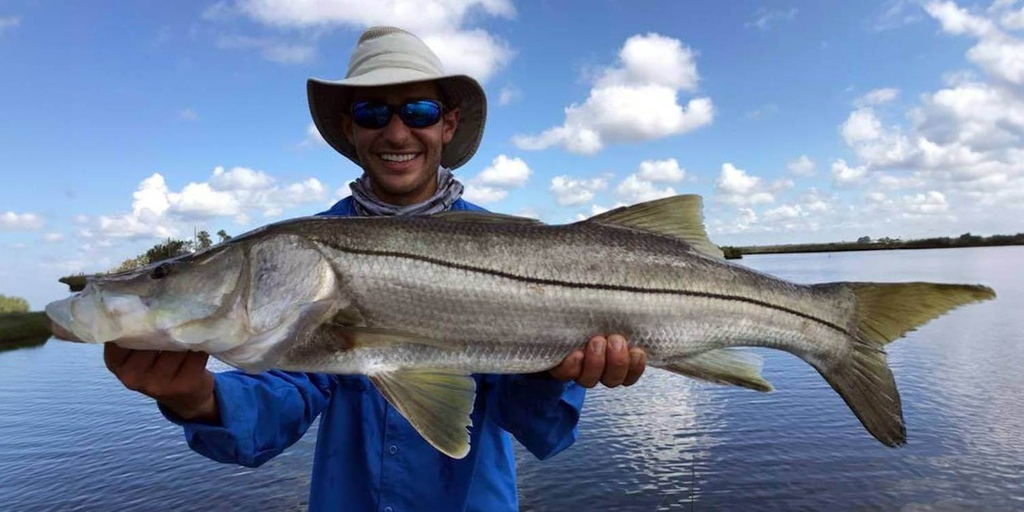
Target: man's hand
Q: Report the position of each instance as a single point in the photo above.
(178, 380)
(609, 361)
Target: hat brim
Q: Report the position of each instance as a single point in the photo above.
(329, 101)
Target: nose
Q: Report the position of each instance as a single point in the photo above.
(396, 132)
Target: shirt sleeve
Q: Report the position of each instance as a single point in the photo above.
(261, 415)
(541, 412)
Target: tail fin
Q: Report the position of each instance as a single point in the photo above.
(884, 313)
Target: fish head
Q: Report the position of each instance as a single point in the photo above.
(158, 306)
(242, 299)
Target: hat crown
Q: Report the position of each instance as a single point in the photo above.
(393, 48)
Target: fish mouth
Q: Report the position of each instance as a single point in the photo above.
(62, 321)
(85, 317)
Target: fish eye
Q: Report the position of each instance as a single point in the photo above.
(160, 271)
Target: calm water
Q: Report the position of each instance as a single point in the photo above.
(72, 438)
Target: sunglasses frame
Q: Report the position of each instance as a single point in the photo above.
(398, 110)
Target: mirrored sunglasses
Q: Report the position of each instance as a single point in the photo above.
(374, 115)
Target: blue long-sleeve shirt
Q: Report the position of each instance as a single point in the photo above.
(368, 457)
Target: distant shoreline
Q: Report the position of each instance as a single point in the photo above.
(884, 244)
(20, 330)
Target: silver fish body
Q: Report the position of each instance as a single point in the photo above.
(420, 303)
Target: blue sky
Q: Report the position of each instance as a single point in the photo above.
(126, 122)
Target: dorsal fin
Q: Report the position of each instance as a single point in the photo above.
(488, 217)
(677, 216)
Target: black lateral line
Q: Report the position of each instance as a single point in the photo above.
(585, 286)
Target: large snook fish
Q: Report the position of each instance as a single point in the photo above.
(420, 303)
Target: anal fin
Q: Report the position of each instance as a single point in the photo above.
(437, 404)
(722, 366)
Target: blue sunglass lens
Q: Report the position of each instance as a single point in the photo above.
(415, 114)
(371, 115)
(420, 114)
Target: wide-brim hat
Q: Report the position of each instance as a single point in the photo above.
(392, 56)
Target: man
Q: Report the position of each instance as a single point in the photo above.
(407, 125)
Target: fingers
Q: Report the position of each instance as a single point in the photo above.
(593, 362)
(165, 366)
(133, 372)
(637, 364)
(570, 367)
(607, 360)
(194, 364)
(616, 363)
(114, 356)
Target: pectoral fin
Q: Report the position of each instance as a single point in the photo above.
(436, 402)
(722, 366)
(364, 337)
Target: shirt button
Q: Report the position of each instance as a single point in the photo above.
(392, 450)
(389, 509)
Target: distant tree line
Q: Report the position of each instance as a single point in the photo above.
(13, 304)
(171, 248)
(865, 243)
(964, 240)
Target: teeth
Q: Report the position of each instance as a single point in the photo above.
(391, 157)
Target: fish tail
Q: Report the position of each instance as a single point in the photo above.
(884, 313)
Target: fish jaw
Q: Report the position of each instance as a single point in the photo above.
(93, 316)
(62, 322)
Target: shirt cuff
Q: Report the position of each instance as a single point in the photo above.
(232, 438)
(540, 389)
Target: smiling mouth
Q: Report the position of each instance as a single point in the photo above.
(397, 157)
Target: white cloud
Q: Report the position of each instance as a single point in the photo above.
(570, 191)
(891, 182)
(636, 101)
(661, 171)
(998, 53)
(1013, 20)
(440, 23)
(766, 18)
(158, 212)
(11, 221)
(505, 172)
(482, 194)
(472, 52)
(845, 175)
(9, 22)
(81, 218)
(882, 147)
(862, 125)
(492, 184)
(928, 203)
(508, 94)
(964, 140)
(634, 189)
(52, 238)
(640, 186)
(803, 166)
(735, 186)
(878, 97)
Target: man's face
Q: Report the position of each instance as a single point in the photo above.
(401, 161)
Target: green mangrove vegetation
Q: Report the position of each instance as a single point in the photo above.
(866, 243)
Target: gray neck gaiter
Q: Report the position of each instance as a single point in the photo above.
(366, 203)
